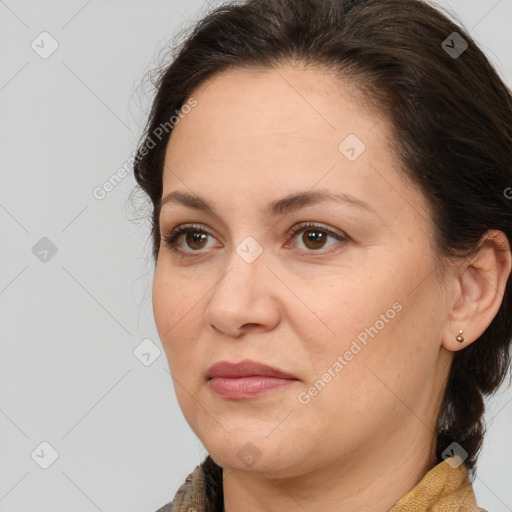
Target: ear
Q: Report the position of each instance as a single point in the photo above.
(480, 283)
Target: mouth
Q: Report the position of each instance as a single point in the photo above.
(246, 379)
(247, 387)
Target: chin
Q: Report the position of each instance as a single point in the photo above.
(256, 456)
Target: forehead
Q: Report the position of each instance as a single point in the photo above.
(267, 132)
(287, 110)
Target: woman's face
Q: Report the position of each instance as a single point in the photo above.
(351, 307)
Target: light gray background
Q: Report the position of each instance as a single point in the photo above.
(70, 325)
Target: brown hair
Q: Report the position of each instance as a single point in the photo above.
(451, 117)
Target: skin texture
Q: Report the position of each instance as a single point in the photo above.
(367, 437)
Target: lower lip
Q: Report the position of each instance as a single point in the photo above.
(247, 387)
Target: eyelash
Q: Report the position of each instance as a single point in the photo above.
(170, 240)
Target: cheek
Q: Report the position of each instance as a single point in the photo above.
(348, 307)
(384, 362)
(357, 386)
(164, 305)
(177, 317)
(172, 300)
(176, 314)
(371, 324)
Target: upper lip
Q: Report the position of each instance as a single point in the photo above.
(245, 368)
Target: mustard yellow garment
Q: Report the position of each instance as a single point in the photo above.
(443, 489)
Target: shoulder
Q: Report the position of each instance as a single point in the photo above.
(201, 490)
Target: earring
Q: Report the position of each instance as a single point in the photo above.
(459, 337)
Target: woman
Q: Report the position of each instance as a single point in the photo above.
(331, 225)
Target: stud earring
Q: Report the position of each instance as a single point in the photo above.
(459, 337)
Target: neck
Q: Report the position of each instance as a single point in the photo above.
(374, 482)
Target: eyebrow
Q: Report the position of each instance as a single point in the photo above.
(282, 206)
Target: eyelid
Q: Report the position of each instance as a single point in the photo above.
(301, 226)
(170, 239)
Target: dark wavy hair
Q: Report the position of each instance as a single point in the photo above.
(451, 118)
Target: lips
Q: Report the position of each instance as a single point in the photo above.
(246, 368)
(246, 379)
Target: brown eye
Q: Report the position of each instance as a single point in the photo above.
(314, 238)
(195, 239)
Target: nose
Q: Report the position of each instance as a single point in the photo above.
(244, 298)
